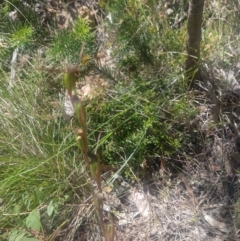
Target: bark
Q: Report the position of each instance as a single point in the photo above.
(195, 14)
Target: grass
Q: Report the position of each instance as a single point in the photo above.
(43, 174)
(141, 116)
(39, 161)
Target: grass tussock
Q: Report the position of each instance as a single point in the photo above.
(142, 114)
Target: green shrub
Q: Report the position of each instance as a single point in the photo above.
(141, 118)
(66, 44)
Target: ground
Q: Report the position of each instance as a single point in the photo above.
(198, 202)
(197, 198)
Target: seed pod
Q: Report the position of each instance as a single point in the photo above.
(81, 144)
(81, 114)
(95, 169)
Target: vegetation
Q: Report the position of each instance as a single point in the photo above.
(142, 114)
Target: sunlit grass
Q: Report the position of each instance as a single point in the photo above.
(141, 116)
(38, 157)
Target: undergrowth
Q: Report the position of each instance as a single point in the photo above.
(142, 115)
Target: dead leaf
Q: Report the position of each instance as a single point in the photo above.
(223, 227)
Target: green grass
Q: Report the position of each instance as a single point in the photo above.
(38, 155)
(141, 116)
(41, 166)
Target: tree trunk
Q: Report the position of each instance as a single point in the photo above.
(192, 67)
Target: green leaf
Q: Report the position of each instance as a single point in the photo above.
(50, 209)
(39, 195)
(20, 236)
(33, 220)
(16, 236)
(16, 209)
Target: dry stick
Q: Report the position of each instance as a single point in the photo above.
(189, 190)
(99, 197)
